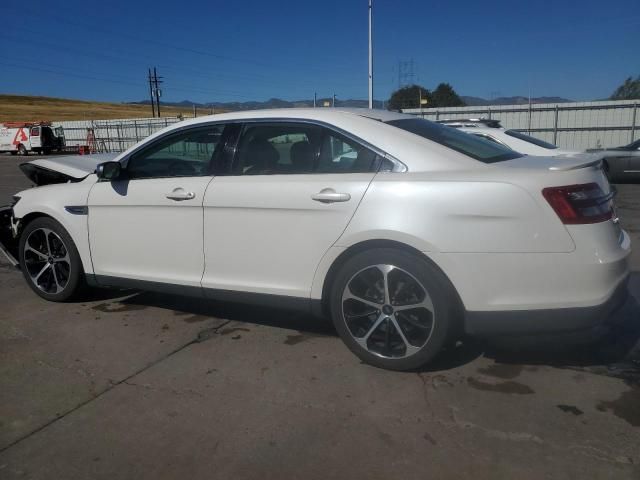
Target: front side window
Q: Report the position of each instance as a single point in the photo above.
(184, 154)
(454, 139)
(528, 139)
(290, 148)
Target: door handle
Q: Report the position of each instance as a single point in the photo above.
(178, 194)
(329, 195)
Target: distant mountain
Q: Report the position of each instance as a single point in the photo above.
(351, 103)
(271, 103)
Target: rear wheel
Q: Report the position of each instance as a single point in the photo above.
(50, 261)
(22, 150)
(393, 309)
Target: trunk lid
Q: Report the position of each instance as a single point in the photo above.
(47, 171)
(559, 163)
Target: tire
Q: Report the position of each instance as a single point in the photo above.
(22, 151)
(50, 261)
(369, 328)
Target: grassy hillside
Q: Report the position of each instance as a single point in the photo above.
(18, 108)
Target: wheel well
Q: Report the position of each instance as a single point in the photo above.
(368, 245)
(30, 217)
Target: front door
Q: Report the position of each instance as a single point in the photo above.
(148, 224)
(290, 194)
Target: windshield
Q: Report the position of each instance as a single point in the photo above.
(527, 138)
(474, 147)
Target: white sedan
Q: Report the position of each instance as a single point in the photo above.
(520, 142)
(404, 232)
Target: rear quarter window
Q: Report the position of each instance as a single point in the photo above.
(477, 148)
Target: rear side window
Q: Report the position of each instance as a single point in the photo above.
(467, 144)
(342, 155)
(300, 148)
(271, 149)
(533, 140)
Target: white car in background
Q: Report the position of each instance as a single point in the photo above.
(406, 233)
(492, 130)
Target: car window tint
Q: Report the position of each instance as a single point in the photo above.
(529, 139)
(289, 148)
(272, 149)
(341, 155)
(467, 144)
(184, 154)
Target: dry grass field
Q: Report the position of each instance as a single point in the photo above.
(18, 108)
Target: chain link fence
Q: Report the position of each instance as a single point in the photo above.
(111, 135)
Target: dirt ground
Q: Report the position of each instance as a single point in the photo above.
(18, 108)
(130, 385)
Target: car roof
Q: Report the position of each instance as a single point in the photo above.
(321, 113)
(367, 125)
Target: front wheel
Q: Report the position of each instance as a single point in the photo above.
(50, 261)
(392, 308)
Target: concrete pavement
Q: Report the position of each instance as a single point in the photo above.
(137, 385)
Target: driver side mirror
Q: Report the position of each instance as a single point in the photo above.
(109, 171)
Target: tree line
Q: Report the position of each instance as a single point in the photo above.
(417, 96)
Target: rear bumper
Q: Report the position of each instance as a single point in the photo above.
(542, 321)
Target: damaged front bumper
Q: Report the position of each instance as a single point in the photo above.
(8, 236)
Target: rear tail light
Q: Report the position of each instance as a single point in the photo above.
(579, 204)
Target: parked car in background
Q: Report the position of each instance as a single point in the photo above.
(404, 232)
(491, 130)
(621, 164)
(20, 138)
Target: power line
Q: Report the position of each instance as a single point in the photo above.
(183, 70)
(94, 28)
(107, 80)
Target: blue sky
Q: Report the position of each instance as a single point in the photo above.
(255, 50)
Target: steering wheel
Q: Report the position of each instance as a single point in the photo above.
(181, 168)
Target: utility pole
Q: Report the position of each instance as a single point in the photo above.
(370, 57)
(157, 91)
(153, 106)
(333, 102)
(315, 99)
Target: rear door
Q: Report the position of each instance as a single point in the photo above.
(35, 138)
(288, 196)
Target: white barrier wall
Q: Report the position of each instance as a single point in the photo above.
(576, 125)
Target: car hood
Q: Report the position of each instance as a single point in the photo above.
(50, 170)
